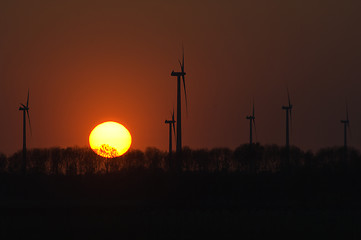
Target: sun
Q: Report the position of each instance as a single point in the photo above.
(110, 139)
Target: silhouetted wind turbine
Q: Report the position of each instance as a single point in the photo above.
(346, 124)
(288, 118)
(288, 110)
(171, 125)
(251, 119)
(179, 109)
(25, 109)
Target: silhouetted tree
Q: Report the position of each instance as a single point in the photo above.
(134, 159)
(271, 158)
(354, 160)
(3, 162)
(327, 157)
(38, 159)
(55, 160)
(115, 163)
(86, 160)
(220, 159)
(14, 162)
(297, 159)
(250, 158)
(242, 157)
(200, 160)
(154, 157)
(71, 161)
(184, 161)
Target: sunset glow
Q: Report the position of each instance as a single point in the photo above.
(110, 139)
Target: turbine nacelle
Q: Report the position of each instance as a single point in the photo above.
(287, 107)
(169, 121)
(345, 121)
(26, 109)
(23, 107)
(177, 74)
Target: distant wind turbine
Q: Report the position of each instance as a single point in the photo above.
(346, 126)
(251, 119)
(180, 75)
(25, 110)
(288, 110)
(171, 125)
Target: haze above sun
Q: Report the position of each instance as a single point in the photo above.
(110, 139)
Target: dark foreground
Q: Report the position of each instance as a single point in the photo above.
(140, 204)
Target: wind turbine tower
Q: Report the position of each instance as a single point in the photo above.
(288, 110)
(25, 110)
(171, 125)
(346, 125)
(251, 119)
(180, 75)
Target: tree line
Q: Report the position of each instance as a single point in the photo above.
(246, 158)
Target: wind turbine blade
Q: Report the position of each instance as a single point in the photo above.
(288, 96)
(346, 112)
(31, 131)
(290, 121)
(255, 129)
(290, 114)
(185, 93)
(182, 58)
(253, 109)
(348, 121)
(290, 109)
(27, 102)
(173, 122)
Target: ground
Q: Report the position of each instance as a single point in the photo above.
(143, 204)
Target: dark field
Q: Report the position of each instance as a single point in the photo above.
(141, 204)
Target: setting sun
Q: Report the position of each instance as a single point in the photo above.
(110, 139)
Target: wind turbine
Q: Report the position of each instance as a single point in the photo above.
(251, 119)
(346, 125)
(288, 110)
(171, 125)
(25, 110)
(180, 75)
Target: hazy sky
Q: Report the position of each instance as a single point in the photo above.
(88, 61)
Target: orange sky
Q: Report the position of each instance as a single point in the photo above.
(88, 61)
